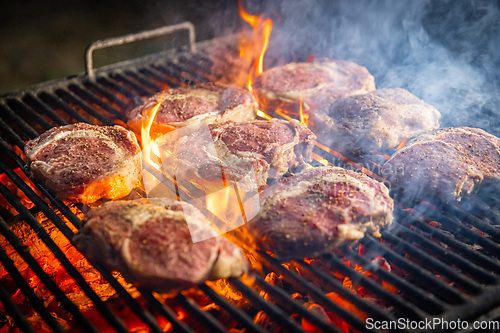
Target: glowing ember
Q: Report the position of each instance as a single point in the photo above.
(402, 144)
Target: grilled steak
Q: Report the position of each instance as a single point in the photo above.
(317, 209)
(183, 106)
(444, 163)
(269, 147)
(377, 120)
(153, 243)
(84, 163)
(315, 83)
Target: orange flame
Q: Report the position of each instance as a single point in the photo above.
(148, 145)
(402, 144)
(261, 33)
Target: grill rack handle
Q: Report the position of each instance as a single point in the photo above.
(135, 37)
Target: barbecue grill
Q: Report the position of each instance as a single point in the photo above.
(435, 262)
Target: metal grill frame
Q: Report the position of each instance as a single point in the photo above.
(470, 289)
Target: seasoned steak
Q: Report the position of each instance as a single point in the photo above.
(445, 163)
(315, 83)
(377, 120)
(317, 209)
(209, 102)
(269, 147)
(158, 244)
(84, 163)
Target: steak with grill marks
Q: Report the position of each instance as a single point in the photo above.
(317, 209)
(150, 241)
(269, 147)
(377, 120)
(313, 83)
(84, 163)
(444, 164)
(208, 102)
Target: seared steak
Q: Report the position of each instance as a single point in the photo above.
(269, 147)
(377, 120)
(153, 243)
(444, 163)
(84, 163)
(315, 83)
(317, 209)
(183, 106)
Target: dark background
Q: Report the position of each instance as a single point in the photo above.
(446, 52)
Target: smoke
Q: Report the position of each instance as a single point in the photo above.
(445, 52)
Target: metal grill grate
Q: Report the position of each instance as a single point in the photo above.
(443, 261)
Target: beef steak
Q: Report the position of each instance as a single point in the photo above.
(377, 120)
(208, 102)
(152, 242)
(310, 213)
(84, 163)
(269, 147)
(313, 83)
(443, 164)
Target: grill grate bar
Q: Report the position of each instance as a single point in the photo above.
(241, 316)
(86, 95)
(28, 292)
(400, 306)
(71, 99)
(139, 77)
(482, 209)
(452, 258)
(467, 217)
(9, 114)
(28, 113)
(442, 290)
(51, 285)
(155, 75)
(143, 91)
(207, 319)
(270, 309)
(111, 99)
(432, 263)
(21, 322)
(43, 108)
(73, 272)
(295, 306)
(165, 312)
(119, 89)
(351, 319)
(59, 104)
(421, 298)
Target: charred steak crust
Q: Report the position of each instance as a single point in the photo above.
(315, 83)
(84, 163)
(270, 147)
(445, 164)
(310, 213)
(209, 102)
(377, 120)
(150, 243)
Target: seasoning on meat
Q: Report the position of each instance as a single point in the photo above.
(313, 83)
(377, 120)
(208, 102)
(269, 147)
(444, 164)
(153, 243)
(84, 163)
(310, 213)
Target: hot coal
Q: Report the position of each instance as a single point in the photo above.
(85, 163)
(151, 243)
(377, 120)
(312, 212)
(444, 164)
